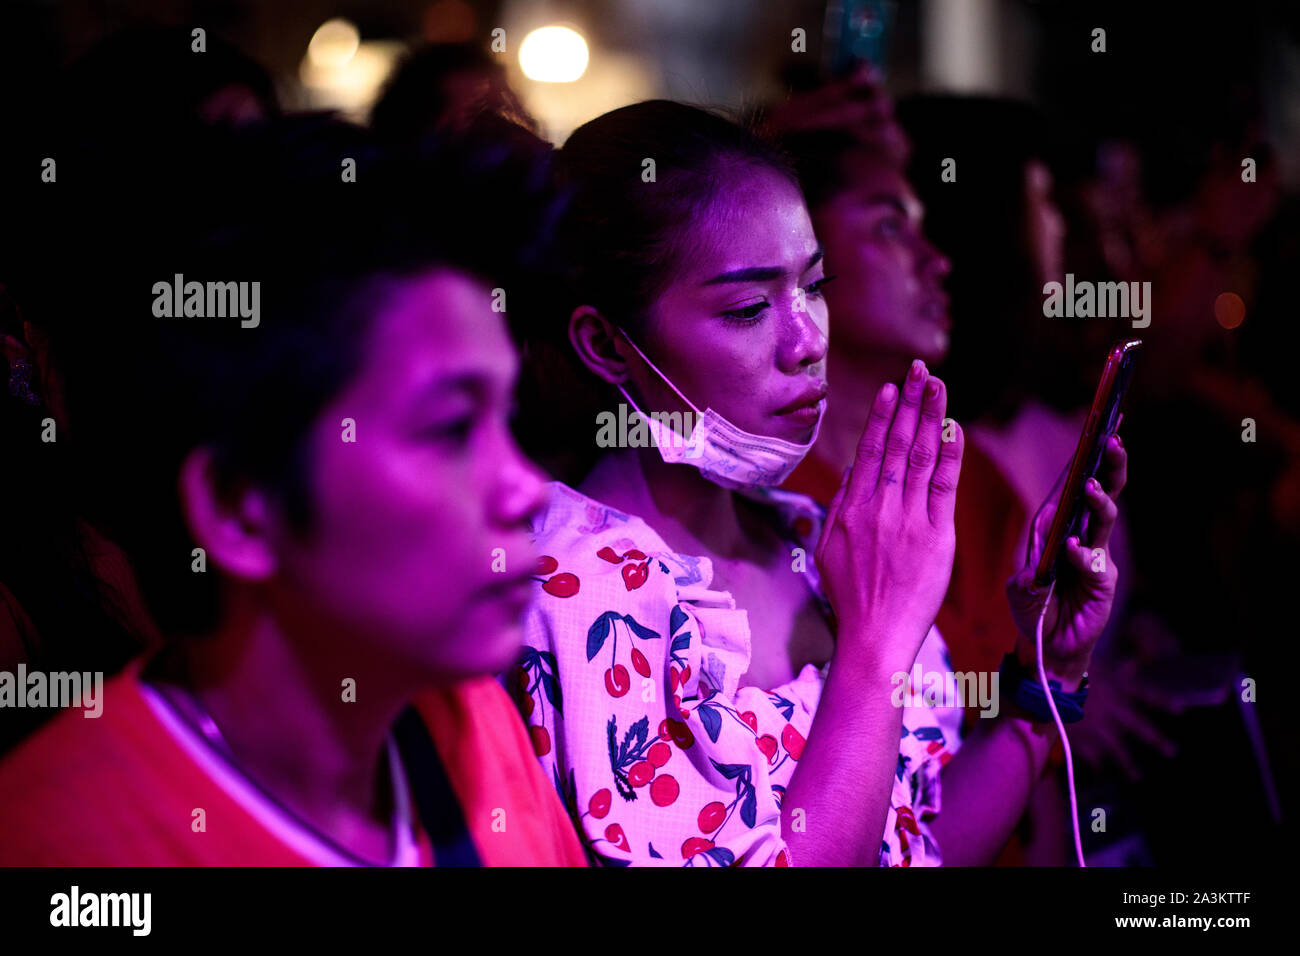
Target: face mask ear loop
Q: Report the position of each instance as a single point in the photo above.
(628, 339)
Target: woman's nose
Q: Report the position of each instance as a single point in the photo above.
(933, 261)
(806, 339)
(519, 491)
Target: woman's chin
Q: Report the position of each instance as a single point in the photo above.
(495, 650)
(930, 343)
(940, 341)
(484, 646)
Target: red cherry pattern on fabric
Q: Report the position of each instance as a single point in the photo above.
(792, 741)
(645, 765)
(609, 554)
(519, 687)
(617, 681)
(677, 732)
(641, 774)
(664, 790)
(635, 575)
(694, 845)
(562, 585)
(659, 754)
(711, 817)
(546, 564)
(614, 834)
(541, 740)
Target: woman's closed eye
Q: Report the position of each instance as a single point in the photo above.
(746, 314)
(454, 431)
(891, 227)
(814, 289)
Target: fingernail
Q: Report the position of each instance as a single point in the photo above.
(918, 367)
(932, 387)
(887, 392)
(1119, 442)
(1094, 484)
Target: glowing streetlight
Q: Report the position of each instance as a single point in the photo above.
(334, 44)
(553, 55)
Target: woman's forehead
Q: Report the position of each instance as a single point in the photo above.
(868, 177)
(444, 320)
(759, 223)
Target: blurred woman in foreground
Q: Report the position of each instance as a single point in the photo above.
(285, 477)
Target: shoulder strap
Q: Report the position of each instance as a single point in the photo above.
(440, 812)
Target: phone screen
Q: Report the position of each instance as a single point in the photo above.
(1102, 420)
(857, 31)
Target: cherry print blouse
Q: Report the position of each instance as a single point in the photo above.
(629, 683)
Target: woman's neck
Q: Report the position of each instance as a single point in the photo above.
(691, 513)
(283, 717)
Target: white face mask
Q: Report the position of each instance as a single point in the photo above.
(724, 454)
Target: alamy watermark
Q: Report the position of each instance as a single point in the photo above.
(922, 688)
(629, 429)
(75, 908)
(208, 300)
(57, 689)
(1101, 300)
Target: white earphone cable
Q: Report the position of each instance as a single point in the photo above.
(1060, 726)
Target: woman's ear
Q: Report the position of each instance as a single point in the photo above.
(595, 340)
(234, 527)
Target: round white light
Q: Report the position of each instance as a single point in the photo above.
(553, 55)
(334, 43)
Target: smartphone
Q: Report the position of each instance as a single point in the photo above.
(1103, 419)
(857, 31)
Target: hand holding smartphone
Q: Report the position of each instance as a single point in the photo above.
(1101, 423)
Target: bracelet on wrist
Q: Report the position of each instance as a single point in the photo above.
(1023, 688)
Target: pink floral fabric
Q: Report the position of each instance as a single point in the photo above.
(630, 685)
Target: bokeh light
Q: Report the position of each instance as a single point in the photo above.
(553, 55)
(334, 43)
(1229, 310)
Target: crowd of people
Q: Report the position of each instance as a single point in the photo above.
(366, 588)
